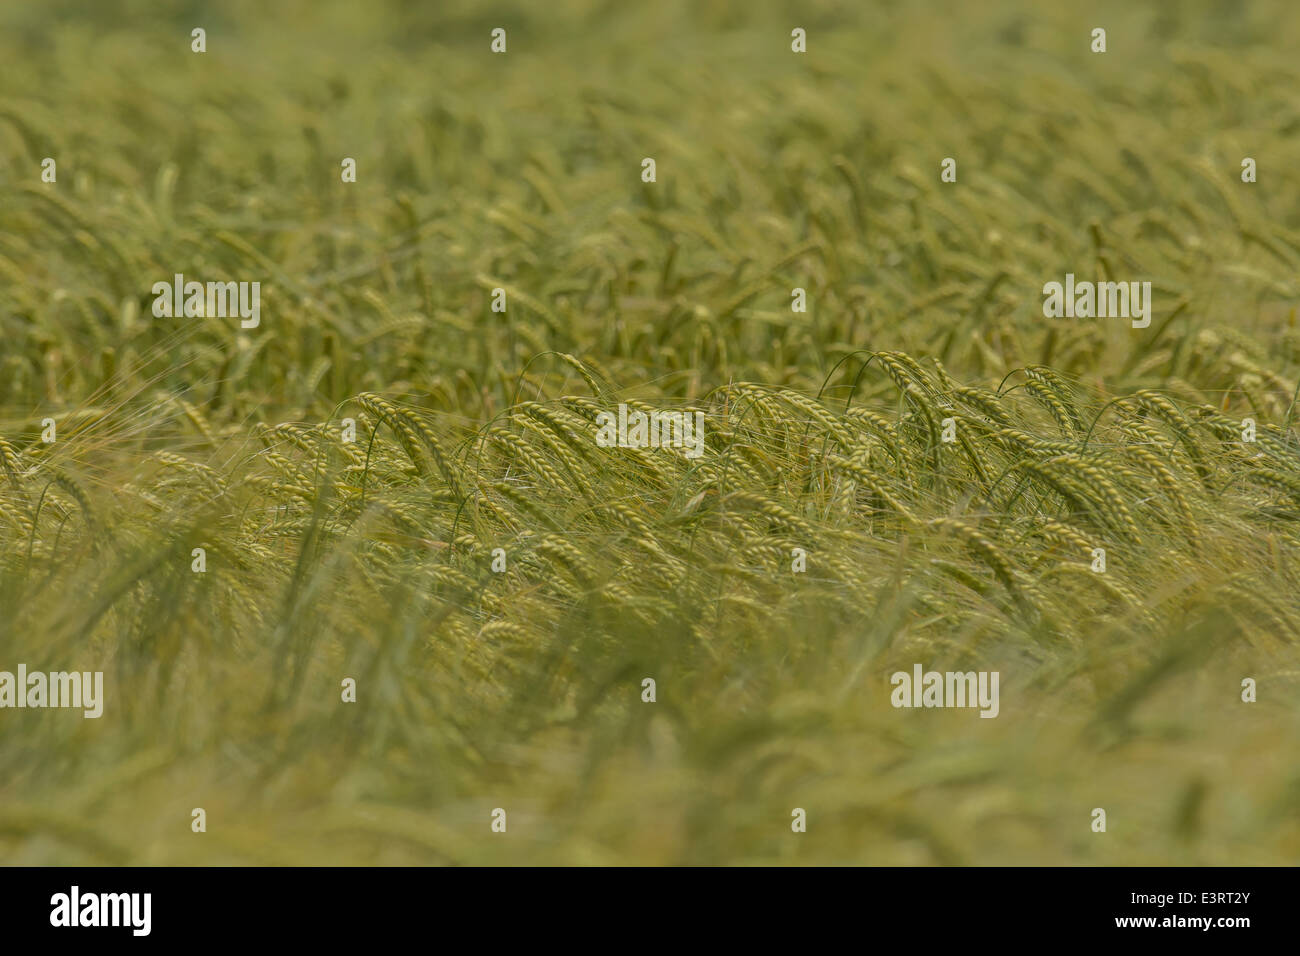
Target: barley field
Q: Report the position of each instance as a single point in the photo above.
(388, 482)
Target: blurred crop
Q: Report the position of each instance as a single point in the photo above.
(475, 430)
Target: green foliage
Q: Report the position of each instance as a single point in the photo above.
(476, 430)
